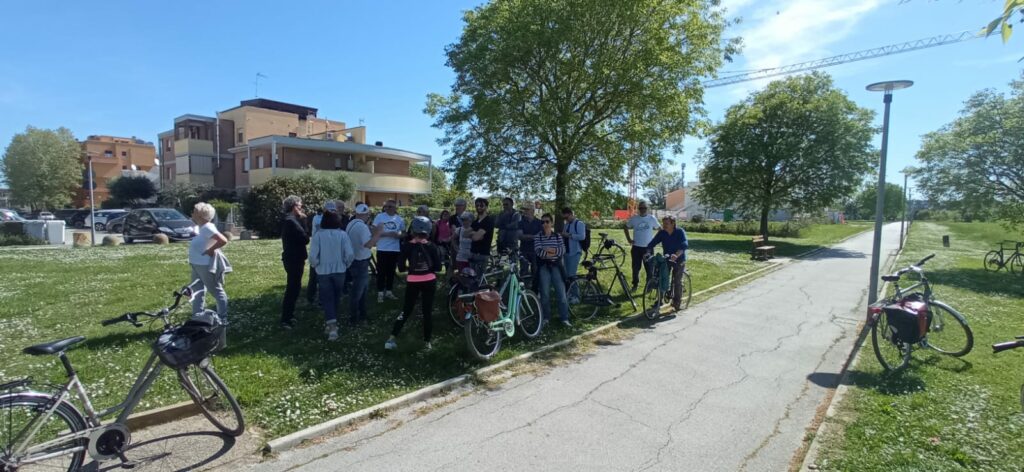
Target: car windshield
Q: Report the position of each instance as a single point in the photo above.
(164, 215)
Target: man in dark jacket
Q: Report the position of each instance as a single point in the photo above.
(293, 244)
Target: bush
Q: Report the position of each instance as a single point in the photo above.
(261, 208)
(223, 209)
(788, 229)
(19, 240)
(184, 196)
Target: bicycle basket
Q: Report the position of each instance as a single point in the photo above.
(488, 305)
(193, 341)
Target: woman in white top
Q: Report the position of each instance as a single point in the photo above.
(208, 263)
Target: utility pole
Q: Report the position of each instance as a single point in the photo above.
(92, 201)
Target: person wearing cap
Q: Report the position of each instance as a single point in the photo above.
(362, 240)
(673, 244)
(315, 222)
(330, 254)
(460, 208)
(423, 260)
(388, 249)
(643, 225)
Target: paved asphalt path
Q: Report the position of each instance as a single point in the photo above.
(730, 384)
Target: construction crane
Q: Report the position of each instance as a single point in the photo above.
(863, 55)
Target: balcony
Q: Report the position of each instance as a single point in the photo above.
(364, 181)
(184, 147)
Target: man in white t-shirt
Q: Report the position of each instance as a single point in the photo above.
(644, 227)
(359, 272)
(392, 227)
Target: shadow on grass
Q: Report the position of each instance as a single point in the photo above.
(980, 280)
(948, 363)
(888, 383)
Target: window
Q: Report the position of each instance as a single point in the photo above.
(259, 162)
(337, 163)
(241, 136)
(168, 144)
(292, 135)
(124, 153)
(245, 164)
(108, 153)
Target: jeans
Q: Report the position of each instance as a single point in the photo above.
(214, 285)
(414, 290)
(330, 294)
(677, 282)
(387, 263)
(294, 270)
(550, 275)
(572, 265)
(359, 274)
(311, 285)
(637, 254)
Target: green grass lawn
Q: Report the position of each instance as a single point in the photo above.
(285, 380)
(942, 413)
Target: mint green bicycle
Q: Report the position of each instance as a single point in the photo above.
(521, 308)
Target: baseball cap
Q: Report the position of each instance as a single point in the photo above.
(362, 209)
(331, 206)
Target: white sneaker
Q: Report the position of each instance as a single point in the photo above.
(390, 296)
(390, 345)
(428, 347)
(380, 297)
(332, 335)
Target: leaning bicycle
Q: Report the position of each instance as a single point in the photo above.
(909, 318)
(486, 319)
(998, 259)
(42, 430)
(657, 290)
(592, 297)
(1005, 346)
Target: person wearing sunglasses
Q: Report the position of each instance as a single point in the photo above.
(549, 248)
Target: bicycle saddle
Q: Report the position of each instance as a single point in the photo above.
(890, 278)
(53, 347)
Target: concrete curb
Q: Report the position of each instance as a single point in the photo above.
(162, 415)
(295, 439)
(811, 453)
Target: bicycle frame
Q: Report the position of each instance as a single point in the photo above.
(143, 382)
(511, 287)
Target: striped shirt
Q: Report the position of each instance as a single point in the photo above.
(542, 243)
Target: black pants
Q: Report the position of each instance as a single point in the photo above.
(311, 286)
(293, 269)
(637, 254)
(424, 291)
(677, 282)
(387, 263)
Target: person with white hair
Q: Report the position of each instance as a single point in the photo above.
(208, 262)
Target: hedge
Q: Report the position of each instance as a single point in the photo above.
(261, 209)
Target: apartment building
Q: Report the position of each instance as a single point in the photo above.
(259, 139)
(113, 157)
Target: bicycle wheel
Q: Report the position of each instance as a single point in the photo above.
(455, 306)
(618, 255)
(1016, 264)
(208, 391)
(587, 292)
(684, 299)
(653, 299)
(482, 343)
(529, 314)
(948, 332)
(625, 289)
(993, 261)
(18, 410)
(892, 354)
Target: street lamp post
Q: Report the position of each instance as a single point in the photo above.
(92, 202)
(876, 246)
(903, 221)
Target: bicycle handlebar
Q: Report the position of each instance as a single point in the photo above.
(1005, 346)
(926, 259)
(133, 317)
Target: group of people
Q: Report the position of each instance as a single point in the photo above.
(336, 245)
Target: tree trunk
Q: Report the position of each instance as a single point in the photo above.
(764, 223)
(561, 187)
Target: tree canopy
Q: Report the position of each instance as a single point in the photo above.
(43, 167)
(659, 183)
(862, 206)
(800, 144)
(561, 96)
(132, 190)
(977, 161)
(441, 193)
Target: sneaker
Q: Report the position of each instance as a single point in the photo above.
(288, 325)
(566, 324)
(333, 334)
(390, 296)
(428, 346)
(390, 344)
(380, 297)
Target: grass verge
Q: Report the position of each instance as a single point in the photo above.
(942, 413)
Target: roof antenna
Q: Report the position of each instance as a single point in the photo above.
(256, 93)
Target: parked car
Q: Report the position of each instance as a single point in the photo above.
(145, 223)
(116, 224)
(45, 215)
(65, 214)
(101, 218)
(10, 215)
(77, 220)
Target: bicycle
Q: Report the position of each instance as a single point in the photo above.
(46, 430)
(893, 339)
(610, 249)
(996, 261)
(592, 298)
(1005, 346)
(463, 284)
(522, 308)
(658, 287)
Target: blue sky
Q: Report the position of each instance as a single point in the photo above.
(128, 68)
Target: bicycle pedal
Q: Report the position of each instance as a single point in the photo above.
(125, 463)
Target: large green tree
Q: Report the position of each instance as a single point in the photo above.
(561, 96)
(800, 144)
(977, 161)
(862, 206)
(132, 190)
(42, 167)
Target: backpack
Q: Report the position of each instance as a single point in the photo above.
(424, 258)
(585, 244)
